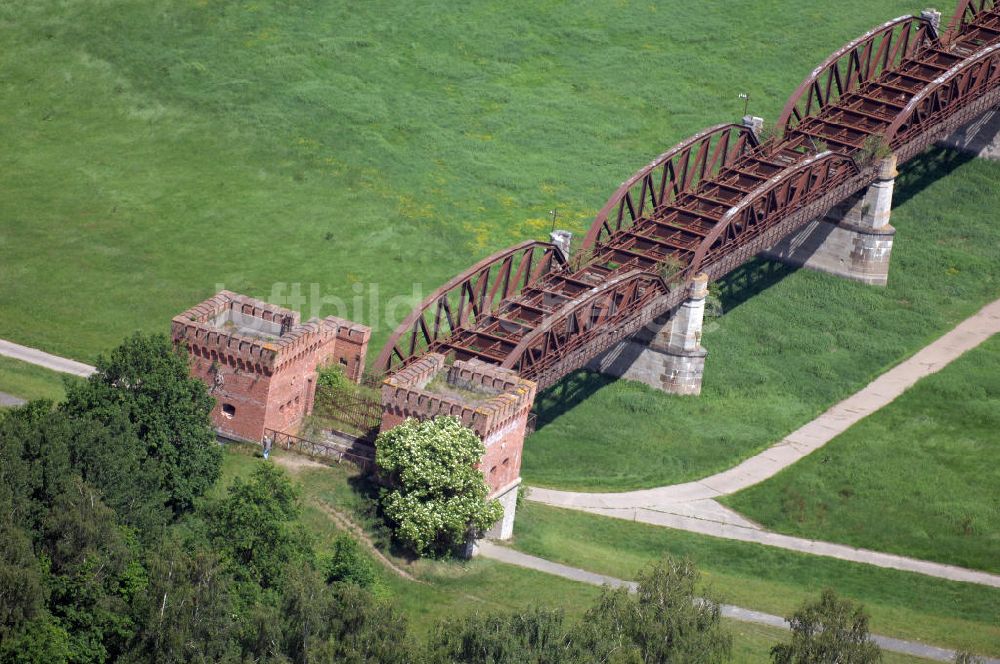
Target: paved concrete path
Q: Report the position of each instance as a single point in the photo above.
(513, 557)
(692, 505)
(9, 400)
(43, 359)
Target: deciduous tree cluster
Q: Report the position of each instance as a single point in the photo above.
(112, 549)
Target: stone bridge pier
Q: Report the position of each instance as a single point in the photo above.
(853, 240)
(666, 354)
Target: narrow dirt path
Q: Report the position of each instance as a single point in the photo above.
(344, 523)
(296, 463)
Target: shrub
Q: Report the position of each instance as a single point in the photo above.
(875, 148)
(348, 564)
(829, 630)
(332, 378)
(670, 267)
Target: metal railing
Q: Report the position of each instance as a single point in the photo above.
(361, 456)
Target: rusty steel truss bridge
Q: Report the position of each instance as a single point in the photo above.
(713, 202)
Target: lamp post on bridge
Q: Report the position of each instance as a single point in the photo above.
(745, 96)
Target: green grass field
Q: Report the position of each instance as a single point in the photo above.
(454, 588)
(156, 149)
(28, 381)
(905, 605)
(348, 159)
(920, 477)
(801, 342)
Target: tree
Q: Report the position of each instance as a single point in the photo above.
(339, 623)
(664, 622)
(829, 630)
(535, 636)
(436, 498)
(256, 526)
(93, 573)
(189, 613)
(146, 382)
(348, 564)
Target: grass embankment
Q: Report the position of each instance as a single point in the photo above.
(904, 605)
(791, 344)
(453, 588)
(155, 150)
(28, 381)
(921, 477)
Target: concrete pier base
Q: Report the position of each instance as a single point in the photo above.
(666, 355)
(854, 240)
(504, 528)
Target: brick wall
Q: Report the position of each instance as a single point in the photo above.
(260, 363)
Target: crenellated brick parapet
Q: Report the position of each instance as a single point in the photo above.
(493, 402)
(260, 361)
(483, 397)
(352, 345)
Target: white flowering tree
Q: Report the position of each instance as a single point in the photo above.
(436, 498)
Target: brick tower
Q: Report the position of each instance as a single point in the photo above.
(260, 362)
(492, 402)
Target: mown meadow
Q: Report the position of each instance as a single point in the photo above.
(156, 150)
(347, 159)
(920, 477)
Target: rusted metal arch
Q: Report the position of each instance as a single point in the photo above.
(599, 312)
(668, 176)
(467, 298)
(971, 78)
(856, 63)
(966, 13)
(763, 208)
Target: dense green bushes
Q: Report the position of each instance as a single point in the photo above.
(109, 550)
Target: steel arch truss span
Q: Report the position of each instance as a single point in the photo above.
(767, 206)
(676, 171)
(714, 201)
(606, 314)
(468, 298)
(862, 60)
(967, 15)
(975, 80)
